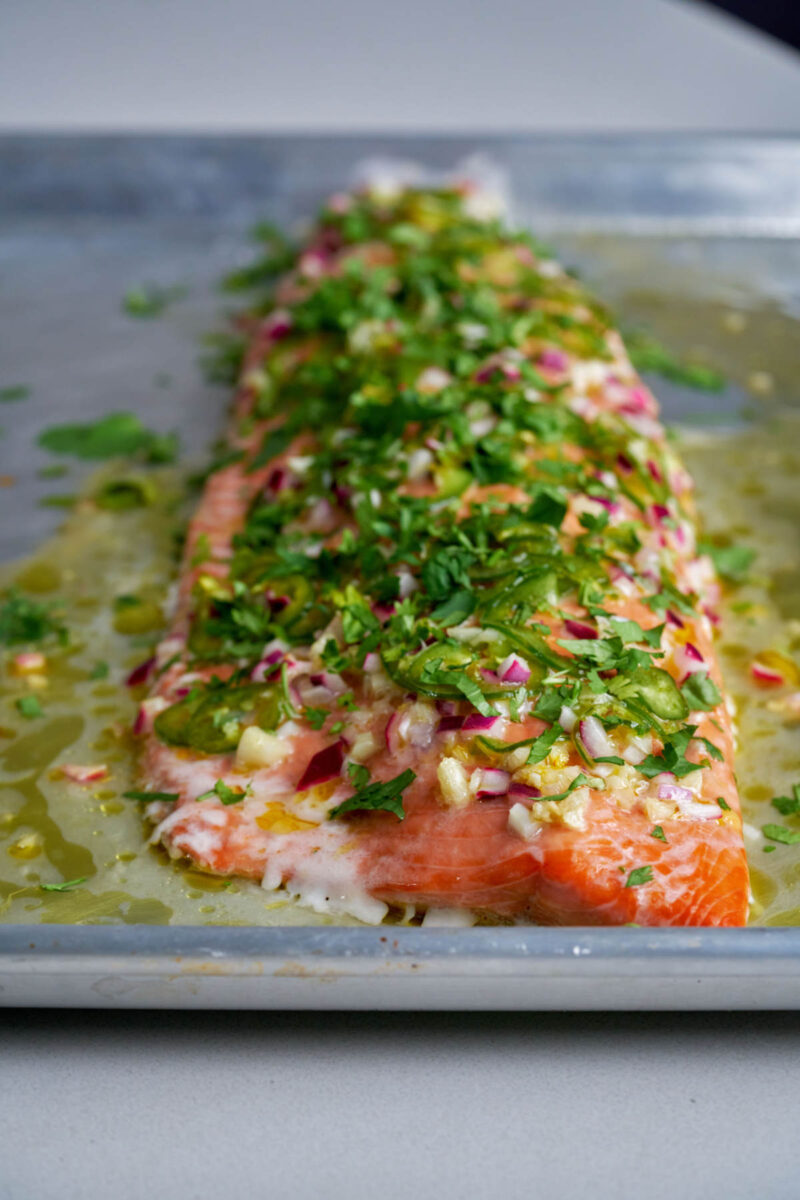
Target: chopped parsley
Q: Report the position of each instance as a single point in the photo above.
(658, 833)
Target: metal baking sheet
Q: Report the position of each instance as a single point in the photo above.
(84, 218)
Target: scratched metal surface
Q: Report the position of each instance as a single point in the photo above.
(81, 220)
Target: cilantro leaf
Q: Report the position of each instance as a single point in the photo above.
(455, 609)
(658, 832)
(146, 797)
(731, 562)
(117, 435)
(358, 774)
(549, 506)
(779, 833)
(316, 717)
(672, 757)
(150, 300)
(14, 393)
(63, 887)
(648, 354)
(386, 796)
(700, 692)
(638, 876)
(29, 707)
(25, 620)
(228, 795)
(788, 805)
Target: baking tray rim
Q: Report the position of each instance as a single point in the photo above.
(748, 947)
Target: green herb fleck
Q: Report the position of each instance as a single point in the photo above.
(638, 876)
(29, 707)
(374, 796)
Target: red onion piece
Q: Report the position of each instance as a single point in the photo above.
(513, 670)
(654, 471)
(476, 721)
(553, 360)
(624, 463)
(579, 629)
(141, 673)
(388, 732)
(523, 791)
(447, 708)
(326, 764)
(83, 775)
(449, 724)
(673, 619)
(766, 676)
(277, 324)
(594, 738)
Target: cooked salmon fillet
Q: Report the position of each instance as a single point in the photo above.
(442, 636)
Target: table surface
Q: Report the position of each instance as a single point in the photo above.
(382, 1105)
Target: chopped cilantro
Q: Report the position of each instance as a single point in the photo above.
(14, 393)
(723, 803)
(779, 833)
(374, 796)
(788, 805)
(316, 717)
(151, 300)
(658, 832)
(648, 354)
(358, 774)
(700, 692)
(99, 670)
(118, 435)
(63, 887)
(638, 876)
(29, 707)
(146, 797)
(228, 795)
(25, 620)
(731, 562)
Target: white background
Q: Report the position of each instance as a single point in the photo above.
(341, 1107)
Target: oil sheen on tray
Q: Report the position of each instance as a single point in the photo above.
(442, 636)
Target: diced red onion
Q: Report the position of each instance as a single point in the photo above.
(83, 775)
(492, 676)
(654, 470)
(594, 738)
(372, 661)
(447, 707)
(659, 513)
(277, 324)
(624, 463)
(579, 629)
(553, 360)
(325, 765)
(688, 804)
(523, 791)
(491, 781)
(513, 670)
(477, 721)
(388, 733)
(449, 724)
(673, 619)
(141, 673)
(766, 676)
(688, 659)
(29, 660)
